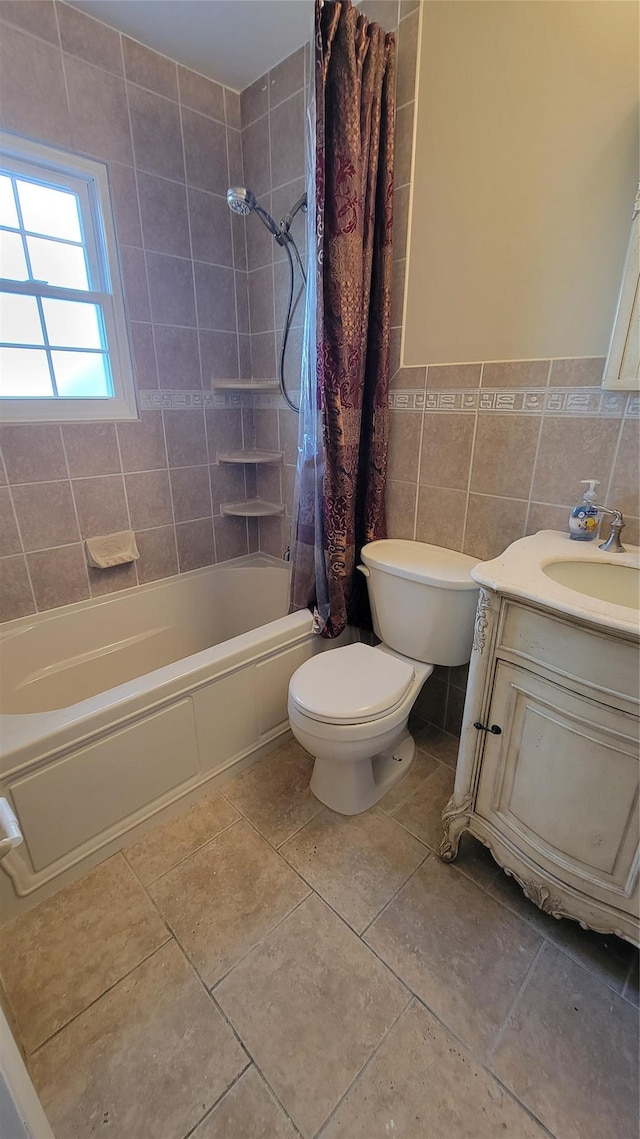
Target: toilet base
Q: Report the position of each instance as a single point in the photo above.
(349, 788)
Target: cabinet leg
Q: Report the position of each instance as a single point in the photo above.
(456, 820)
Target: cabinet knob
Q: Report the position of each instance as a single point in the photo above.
(494, 729)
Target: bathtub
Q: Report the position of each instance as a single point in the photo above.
(119, 711)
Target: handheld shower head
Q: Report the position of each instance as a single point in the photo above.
(241, 200)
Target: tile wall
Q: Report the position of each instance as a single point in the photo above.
(483, 453)
(272, 114)
(273, 137)
(480, 454)
(171, 140)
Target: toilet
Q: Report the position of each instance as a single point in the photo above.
(349, 707)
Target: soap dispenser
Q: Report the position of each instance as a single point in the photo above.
(583, 520)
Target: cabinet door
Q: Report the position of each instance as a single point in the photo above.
(561, 782)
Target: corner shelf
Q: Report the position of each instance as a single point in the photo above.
(251, 456)
(252, 508)
(245, 385)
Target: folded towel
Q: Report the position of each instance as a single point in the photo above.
(112, 549)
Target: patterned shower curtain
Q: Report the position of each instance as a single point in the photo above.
(344, 421)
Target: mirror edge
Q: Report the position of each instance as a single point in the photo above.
(622, 367)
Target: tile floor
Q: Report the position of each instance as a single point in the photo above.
(261, 968)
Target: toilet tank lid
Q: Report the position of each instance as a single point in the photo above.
(419, 561)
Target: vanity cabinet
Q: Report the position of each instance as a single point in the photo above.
(548, 767)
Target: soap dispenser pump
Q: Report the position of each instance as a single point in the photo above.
(583, 520)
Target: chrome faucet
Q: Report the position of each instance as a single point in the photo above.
(613, 544)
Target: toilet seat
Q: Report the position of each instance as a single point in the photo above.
(352, 685)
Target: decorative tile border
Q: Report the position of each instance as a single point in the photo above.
(188, 401)
(554, 401)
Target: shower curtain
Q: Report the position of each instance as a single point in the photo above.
(344, 418)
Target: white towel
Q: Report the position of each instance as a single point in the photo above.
(112, 549)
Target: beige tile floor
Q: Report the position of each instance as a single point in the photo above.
(259, 967)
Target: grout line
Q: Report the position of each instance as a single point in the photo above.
(536, 455)
(515, 1002)
(257, 1067)
(311, 893)
(146, 274)
(471, 458)
(276, 1098)
(428, 853)
(62, 57)
(126, 497)
(294, 834)
(180, 861)
(418, 484)
(478, 1059)
(411, 995)
(167, 941)
(139, 530)
(210, 990)
(21, 551)
(75, 510)
(210, 1110)
(292, 95)
(197, 319)
(233, 255)
(358, 1076)
(236, 274)
(528, 919)
(215, 1004)
(315, 890)
(606, 500)
(125, 35)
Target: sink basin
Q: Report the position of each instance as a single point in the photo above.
(604, 580)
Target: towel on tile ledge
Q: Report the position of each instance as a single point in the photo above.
(112, 549)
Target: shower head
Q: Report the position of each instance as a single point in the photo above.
(243, 201)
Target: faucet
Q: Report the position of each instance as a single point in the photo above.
(613, 544)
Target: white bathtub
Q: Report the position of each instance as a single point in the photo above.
(113, 710)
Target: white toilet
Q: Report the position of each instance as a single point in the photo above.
(349, 707)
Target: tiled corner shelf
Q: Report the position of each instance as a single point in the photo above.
(252, 508)
(251, 456)
(245, 385)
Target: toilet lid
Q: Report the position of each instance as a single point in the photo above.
(350, 685)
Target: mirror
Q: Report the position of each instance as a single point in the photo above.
(525, 170)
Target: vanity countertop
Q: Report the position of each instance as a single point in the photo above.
(519, 572)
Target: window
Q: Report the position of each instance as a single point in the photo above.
(64, 351)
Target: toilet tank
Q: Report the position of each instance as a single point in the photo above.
(422, 598)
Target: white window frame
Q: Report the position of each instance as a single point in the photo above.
(89, 180)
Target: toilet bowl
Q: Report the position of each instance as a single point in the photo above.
(349, 707)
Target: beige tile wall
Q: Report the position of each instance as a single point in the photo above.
(273, 147)
(482, 454)
(273, 133)
(171, 140)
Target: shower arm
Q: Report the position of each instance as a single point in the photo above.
(285, 226)
(267, 220)
(301, 204)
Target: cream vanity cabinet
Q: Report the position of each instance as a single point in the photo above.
(547, 773)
